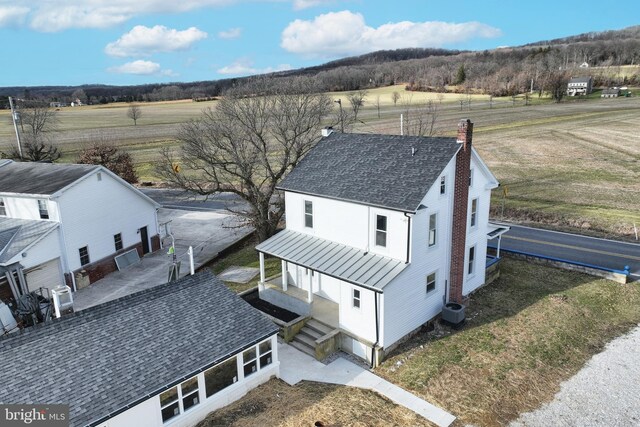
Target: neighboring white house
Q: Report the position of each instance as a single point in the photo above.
(167, 356)
(579, 86)
(382, 231)
(62, 223)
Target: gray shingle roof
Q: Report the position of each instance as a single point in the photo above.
(377, 170)
(104, 358)
(579, 80)
(343, 262)
(39, 178)
(17, 234)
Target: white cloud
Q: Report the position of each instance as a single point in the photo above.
(140, 67)
(244, 67)
(58, 15)
(305, 4)
(12, 16)
(346, 33)
(143, 41)
(231, 33)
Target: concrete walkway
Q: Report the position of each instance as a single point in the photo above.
(208, 233)
(604, 393)
(296, 366)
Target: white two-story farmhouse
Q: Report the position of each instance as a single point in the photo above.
(381, 232)
(64, 224)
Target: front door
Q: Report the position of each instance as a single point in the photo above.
(144, 238)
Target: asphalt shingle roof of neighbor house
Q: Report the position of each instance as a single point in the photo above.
(18, 234)
(39, 178)
(376, 170)
(109, 357)
(579, 80)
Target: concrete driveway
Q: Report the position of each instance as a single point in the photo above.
(208, 232)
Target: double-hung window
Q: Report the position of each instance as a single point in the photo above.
(3, 208)
(179, 399)
(470, 177)
(431, 282)
(471, 268)
(265, 353)
(433, 225)
(250, 361)
(356, 298)
(117, 240)
(84, 255)
(43, 209)
(308, 214)
(474, 213)
(443, 185)
(381, 230)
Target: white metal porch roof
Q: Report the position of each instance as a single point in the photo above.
(333, 259)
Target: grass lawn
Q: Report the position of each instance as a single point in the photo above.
(245, 257)
(526, 333)
(278, 404)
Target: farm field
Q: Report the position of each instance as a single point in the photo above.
(575, 164)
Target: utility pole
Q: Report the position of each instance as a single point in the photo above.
(339, 101)
(14, 115)
(401, 124)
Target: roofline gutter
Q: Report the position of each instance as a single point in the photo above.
(371, 288)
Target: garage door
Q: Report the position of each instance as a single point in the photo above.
(47, 275)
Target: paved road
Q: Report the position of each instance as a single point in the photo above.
(588, 250)
(178, 199)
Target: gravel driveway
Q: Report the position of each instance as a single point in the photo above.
(606, 392)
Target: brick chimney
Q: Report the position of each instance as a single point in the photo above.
(460, 203)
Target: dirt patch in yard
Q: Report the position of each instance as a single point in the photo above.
(278, 404)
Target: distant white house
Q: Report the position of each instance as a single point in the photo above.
(64, 224)
(579, 86)
(165, 356)
(381, 232)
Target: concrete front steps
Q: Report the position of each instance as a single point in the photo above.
(305, 340)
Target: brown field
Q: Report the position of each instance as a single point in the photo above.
(574, 164)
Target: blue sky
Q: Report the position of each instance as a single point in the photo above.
(72, 42)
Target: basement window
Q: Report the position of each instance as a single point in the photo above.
(221, 376)
(356, 298)
(84, 255)
(308, 214)
(381, 230)
(431, 282)
(43, 209)
(3, 209)
(117, 240)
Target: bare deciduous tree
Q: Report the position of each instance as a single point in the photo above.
(395, 97)
(108, 155)
(247, 144)
(378, 104)
(356, 99)
(134, 112)
(38, 123)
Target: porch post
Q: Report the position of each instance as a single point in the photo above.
(310, 282)
(498, 251)
(261, 267)
(285, 276)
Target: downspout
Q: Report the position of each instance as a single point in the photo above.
(408, 236)
(373, 348)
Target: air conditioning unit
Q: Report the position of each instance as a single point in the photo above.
(453, 313)
(62, 300)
